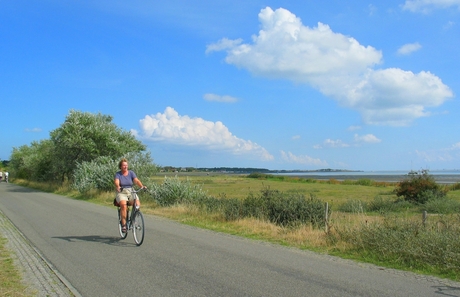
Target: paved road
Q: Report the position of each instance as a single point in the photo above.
(81, 242)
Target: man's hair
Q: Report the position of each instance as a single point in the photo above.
(121, 162)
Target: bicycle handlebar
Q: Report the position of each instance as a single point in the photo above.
(134, 190)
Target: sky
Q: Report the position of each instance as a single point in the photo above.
(292, 84)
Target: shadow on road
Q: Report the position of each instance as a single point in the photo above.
(21, 189)
(447, 290)
(110, 240)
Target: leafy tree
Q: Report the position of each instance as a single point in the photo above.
(84, 137)
(32, 162)
(419, 187)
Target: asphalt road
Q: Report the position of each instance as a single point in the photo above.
(80, 240)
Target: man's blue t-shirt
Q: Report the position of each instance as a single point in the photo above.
(126, 181)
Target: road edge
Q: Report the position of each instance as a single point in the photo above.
(37, 273)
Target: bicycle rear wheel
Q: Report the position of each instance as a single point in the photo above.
(122, 235)
(138, 228)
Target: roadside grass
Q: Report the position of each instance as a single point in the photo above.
(10, 277)
(374, 237)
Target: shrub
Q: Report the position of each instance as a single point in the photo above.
(174, 191)
(454, 187)
(285, 210)
(419, 187)
(353, 206)
(258, 175)
(365, 182)
(383, 206)
(99, 173)
(442, 206)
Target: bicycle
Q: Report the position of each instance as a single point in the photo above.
(134, 221)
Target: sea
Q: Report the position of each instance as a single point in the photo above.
(441, 176)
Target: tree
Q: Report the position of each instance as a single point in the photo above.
(33, 162)
(84, 136)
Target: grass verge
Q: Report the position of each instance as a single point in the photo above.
(10, 277)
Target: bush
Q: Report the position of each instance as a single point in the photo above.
(383, 206)
(292, 209)
(174, 191)
(353, 206)
(99, 173)
(419, 187)
(442, 206)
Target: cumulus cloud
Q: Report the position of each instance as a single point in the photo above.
(302, 160)
(219, 98)
(409, 48)
(338, 66)
(170, 127)
(368, 138)
(425, 6)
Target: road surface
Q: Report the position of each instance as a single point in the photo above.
(80, 242)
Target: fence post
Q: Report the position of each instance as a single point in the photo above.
(424, 216)
(326, 218)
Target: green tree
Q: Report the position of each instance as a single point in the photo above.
(33, 162)
(84, 136)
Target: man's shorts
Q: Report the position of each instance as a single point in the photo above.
(126, 195)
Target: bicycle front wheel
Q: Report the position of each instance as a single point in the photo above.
(138, 228)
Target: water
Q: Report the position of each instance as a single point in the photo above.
(441, 176)
(365, 173)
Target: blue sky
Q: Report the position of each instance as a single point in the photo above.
(270, 84)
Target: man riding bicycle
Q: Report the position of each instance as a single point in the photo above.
(124, 181)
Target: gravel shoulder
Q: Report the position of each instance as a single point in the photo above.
(38, 275)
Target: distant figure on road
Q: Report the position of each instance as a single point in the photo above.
(1, 176)
(6, 176)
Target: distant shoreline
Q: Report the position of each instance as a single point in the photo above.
(440, 178)
(390, 178)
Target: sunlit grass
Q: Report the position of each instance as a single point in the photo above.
(10, 277)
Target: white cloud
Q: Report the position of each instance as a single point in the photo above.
(219, 98)
(223, 44)
(409, 48)
(170, 127)
(449, 154)
(332, 143)
(353, 128)
(425, 6)
(338, 66)
(34, 130)
(368, 138)
(295, 137)
(303, 160)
